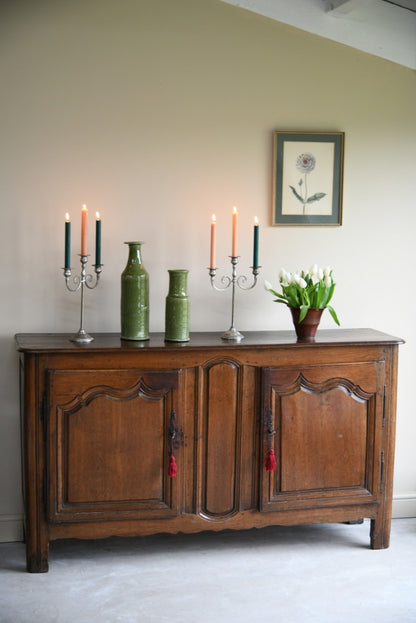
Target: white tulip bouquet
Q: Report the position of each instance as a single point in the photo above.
(306, 289)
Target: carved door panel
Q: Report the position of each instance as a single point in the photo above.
(226, 433)
(324, 425)
(110, 435)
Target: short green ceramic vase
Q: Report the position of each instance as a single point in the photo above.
(177, 307)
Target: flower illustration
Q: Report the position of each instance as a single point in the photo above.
(305, 163)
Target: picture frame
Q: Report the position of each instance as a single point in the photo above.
(307, 178)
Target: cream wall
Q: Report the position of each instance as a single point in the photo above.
(160, 113)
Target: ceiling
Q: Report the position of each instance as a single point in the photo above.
(410, 4)
(384, 28)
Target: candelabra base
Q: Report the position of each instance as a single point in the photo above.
(232, 334)
(82, 337)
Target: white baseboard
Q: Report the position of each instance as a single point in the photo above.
(404, 505)
(11, 526)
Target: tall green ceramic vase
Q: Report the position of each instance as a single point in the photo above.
(134, 296)
(177, 307)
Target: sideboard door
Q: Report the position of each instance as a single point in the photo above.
(226, 436)
(109, 438)
(324, 425)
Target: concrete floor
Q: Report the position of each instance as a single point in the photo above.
(314, 574)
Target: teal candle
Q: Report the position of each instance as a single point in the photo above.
(67, 241)
(98, 241)
(256, 244)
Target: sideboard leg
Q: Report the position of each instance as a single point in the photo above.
(37, 553)
(380, 534)
(37, 562)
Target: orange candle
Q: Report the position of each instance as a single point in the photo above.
(234, 233)
(213, 234)
(84, 216)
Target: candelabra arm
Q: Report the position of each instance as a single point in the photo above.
(242, 279)
(90, 282)
(225, 279)
(76, 280)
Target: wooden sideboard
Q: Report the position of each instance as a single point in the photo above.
(100, 423)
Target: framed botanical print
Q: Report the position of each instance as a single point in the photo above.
(307, 178)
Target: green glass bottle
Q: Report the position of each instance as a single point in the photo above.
(177, 307)
(134, 296)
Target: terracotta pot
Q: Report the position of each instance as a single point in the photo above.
(306, 330)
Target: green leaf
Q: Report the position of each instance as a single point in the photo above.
(333, 314)
(274, 292)
(291, 294)
(328, 295)
(303, 311)
(282, 298)
(305, 298)
(324, 296)
(315, 197)
(296, 194)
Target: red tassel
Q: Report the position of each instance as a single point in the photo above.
(271, 461)
(173, 468)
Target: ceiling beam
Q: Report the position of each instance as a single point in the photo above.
(343, 6)
(374, 26)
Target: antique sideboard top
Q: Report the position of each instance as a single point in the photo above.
(49, 342)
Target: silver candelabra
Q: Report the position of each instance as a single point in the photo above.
(78, 282)
(233, 281)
